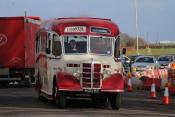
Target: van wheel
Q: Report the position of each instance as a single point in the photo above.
(60, 101)
(115, 101)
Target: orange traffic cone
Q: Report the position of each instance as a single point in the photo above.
(153, 93)
(166, 99)
(129, 84)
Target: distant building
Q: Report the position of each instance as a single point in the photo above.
(167, 42)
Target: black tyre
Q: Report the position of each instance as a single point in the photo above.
(40, 97)
(115, 101)
(4, 84)
(54, 91)
(60, 101)
(38, 88)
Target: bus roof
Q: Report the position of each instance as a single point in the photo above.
(21, 17)
(58, 25)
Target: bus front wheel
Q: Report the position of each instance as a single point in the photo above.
(115, 101)
(60, 101)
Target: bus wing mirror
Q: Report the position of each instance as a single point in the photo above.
(47, 50)
(124, 51)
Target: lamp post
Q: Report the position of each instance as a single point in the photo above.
(136, 25)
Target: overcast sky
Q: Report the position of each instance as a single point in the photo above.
(156, 18)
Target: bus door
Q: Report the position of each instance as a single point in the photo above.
(54, 51)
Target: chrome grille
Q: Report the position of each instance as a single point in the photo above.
(91, 76)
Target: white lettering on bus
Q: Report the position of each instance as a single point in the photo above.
(79, 29)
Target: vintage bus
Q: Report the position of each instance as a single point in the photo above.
(79, 57)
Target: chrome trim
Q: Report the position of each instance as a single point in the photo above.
(115, 90)
(70, 89)
(91, 76)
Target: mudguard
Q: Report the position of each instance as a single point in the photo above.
(114, 83)
(66, 81)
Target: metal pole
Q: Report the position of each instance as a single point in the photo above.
(25, 13)
(136, 24)
(147, 40)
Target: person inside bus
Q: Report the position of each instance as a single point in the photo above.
(72, 47)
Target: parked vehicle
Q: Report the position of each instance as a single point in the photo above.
(143, 63)
(79, 57)
(166, 60)
(17, 49)
(133, 58)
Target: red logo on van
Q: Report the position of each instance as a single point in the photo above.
(3, 39)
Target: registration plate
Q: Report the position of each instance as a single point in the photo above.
(91, 90)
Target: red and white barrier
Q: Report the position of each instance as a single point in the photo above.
(171, 79)
(145, 79)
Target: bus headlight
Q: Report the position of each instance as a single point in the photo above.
(106, 73)
(77, 74)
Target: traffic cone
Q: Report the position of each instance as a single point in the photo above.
(166, 99)
(129, 84)
(153, 93)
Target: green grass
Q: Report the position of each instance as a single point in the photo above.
(154, 51)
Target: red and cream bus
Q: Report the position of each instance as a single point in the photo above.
(79, 57)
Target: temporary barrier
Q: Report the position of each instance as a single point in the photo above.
(147, 82)
(163, 73)
(145, 79)
(152, 76)
(133, 80)
(171, 78)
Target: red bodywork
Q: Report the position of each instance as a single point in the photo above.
(59, 25)
(17, 42)
(67, 82)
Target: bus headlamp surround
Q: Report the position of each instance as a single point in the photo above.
(77, 74)
(106, 73)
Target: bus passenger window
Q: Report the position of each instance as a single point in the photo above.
(56, 46)
(38, 43)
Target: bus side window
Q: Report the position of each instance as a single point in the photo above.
(37, 43)
(56, 46)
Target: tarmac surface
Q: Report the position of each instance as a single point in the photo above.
(23, 102)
